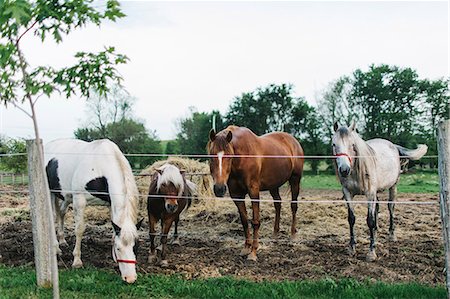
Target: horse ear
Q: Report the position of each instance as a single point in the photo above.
(212, 135)
(353, 126)
(229, 136)
(159, 170)
(116, 228)
(183, 173)
(139, 224)
(335, 126)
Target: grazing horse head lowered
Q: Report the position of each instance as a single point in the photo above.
(82, 173)
(367, 168)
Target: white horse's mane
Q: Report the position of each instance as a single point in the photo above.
(365, 161)
(170, 174)
(128, 230)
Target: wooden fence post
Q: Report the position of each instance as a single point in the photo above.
(444, 199)
(44, 236)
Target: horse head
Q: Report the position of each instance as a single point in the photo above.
(344, 148)
(170, 185)
(220, 146)
(125, 248)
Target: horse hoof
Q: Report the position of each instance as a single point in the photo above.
(152, 259)
(393, 238)
(58, 250)
(252, 257)
(351, 249)
(63, 242)
(159, 248)
(294, 237)
(164, 264)
(371, 256)
(77, 264)
(245, 251)
(176, 242)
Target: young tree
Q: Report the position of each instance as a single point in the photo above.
(21, 82)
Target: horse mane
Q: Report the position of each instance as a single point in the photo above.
(170, 174)
(128, 230)
(364, 162)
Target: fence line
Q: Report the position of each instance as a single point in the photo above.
(213, 156)
(340, 201)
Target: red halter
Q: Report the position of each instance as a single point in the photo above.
(344, 155)
(123, 261)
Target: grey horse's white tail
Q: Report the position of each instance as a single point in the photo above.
(410, 154)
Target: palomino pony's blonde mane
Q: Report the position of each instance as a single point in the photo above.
(364, 162)
(128, 230)
(170, 174)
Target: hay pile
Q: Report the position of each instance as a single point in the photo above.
(195, 171)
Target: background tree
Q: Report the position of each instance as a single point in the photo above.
(15, 163)
(111, 116)
(193, 131)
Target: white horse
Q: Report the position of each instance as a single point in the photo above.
(94, 172)
(366, 168)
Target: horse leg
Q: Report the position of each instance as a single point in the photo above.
(176, 240)
(348, 197)
(79, 204)
(295, 191)
(56, 217)
(62, 213)
(240, 204)
(372, 224)
(152, 234)
(391, 206)
(167, 223)
(256, 223)
(277, 204)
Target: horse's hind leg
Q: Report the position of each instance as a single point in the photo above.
(79, 204)
(277, 204)
(152, 234)
(391, 206)
(294, 181)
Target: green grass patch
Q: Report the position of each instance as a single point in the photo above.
(20, 282)
(424, 181)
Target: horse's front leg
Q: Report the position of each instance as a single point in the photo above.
(176, 239)
(240, 204)
(167, 223)
(372, 215)
(256, 223)
(348, 197)
(79, 204)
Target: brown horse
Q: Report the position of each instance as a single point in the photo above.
(249, 175)
(169, 195)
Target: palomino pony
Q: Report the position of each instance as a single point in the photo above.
(95, 172)
(169, 195)
(255, 173)
(366, 168)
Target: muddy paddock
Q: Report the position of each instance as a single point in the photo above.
(211, 239)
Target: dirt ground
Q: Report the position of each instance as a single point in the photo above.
(212, 238)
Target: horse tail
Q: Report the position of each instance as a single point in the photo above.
(410, 154)
(131, 190)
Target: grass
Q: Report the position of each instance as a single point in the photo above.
(20, 282)
(424, 181)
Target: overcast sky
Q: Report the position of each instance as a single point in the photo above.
(203, 54)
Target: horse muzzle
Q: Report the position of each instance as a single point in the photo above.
(219, 190)
(344, 171)
(129, 279)
(171, 208)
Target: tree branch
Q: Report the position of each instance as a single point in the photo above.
(28, 29)
(21, 109)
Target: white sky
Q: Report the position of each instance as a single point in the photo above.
(203, 54)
